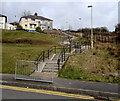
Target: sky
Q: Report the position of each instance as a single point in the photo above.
(66, 14)
(119, 12)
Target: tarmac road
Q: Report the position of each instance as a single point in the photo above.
(11, 92)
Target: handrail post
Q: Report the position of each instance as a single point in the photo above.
(64, 53)
(55, 49)
(70, 48)
(48, 54)
(43, 56)
(80, 46)
(58, 62)
(62, 56)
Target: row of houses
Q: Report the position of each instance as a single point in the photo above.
(29, 22)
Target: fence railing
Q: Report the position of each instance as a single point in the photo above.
(46, 54)
(103, 37)
(25, 70)
(79, 46)
(62, 56)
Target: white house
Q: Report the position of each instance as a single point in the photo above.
(3, 20)
(10, 27)
(30, 22)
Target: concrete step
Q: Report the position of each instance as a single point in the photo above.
(66, 55)
(55, 57)
(49, 70)
(50, 57)
(48, 67)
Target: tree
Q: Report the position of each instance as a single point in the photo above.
(19, 27)
(97, 29)
(26, 13)
(14, 23)
(104, 29)
(38, 29)
(117, 28)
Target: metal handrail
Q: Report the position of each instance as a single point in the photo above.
(61, 57)
(45, 54)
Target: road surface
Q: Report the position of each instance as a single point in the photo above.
(11, 92)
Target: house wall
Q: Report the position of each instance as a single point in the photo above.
(10, 27)
(2, 22)
(30, 24)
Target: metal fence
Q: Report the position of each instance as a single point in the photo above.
(30, 70)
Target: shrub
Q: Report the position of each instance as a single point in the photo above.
(19, 27)
(38, 29)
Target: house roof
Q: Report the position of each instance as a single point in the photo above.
(3, 16)
(36, 17)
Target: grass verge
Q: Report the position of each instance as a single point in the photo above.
(98, 65)
(13, 49)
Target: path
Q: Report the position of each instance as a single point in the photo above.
(48, 70)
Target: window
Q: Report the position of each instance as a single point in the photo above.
(33, 19)
(32, 25)
(25, 25)
(25, 19)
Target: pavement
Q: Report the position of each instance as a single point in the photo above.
(68, 86)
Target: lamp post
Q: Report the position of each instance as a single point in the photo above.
(91, 27)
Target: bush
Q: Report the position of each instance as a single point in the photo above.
(38, 29)
(19, 27)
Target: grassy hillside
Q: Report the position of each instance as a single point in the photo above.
(22, 45)
(27, 37)
(99, 64)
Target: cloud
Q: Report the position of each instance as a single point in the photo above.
(67, 13)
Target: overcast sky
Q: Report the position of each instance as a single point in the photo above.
(65, 14)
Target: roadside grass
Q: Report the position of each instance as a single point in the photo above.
(22, 50)
(98, 65)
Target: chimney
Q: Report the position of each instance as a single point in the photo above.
(35, 14)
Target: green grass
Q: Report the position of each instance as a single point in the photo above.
(96, 65)
(22, 50)
(27, 37)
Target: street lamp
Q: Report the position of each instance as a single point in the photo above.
(91, 27)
